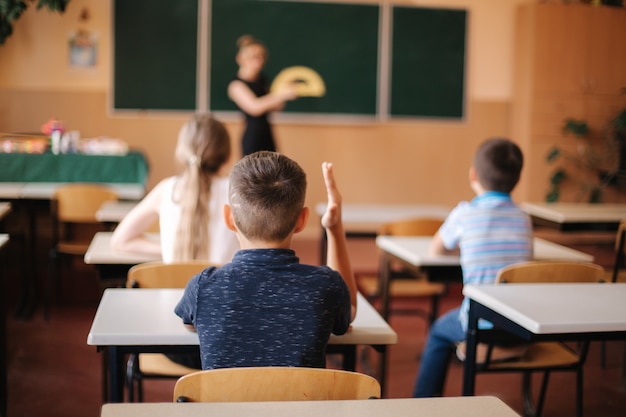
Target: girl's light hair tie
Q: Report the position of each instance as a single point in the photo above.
(193, 161)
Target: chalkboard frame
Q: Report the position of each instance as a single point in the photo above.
(387, 86)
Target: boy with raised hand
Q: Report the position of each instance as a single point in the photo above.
(265, 308)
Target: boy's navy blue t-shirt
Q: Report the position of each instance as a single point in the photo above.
(265, 309)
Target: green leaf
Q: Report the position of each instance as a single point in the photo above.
(596, 195)
(553, 195)
(553, 154)
(558, 177)
(578, 128)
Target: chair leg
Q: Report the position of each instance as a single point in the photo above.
(603, 354)
(130, 379)
(133, 378)
(530, 409)
(579, 392)
(434, 309)
(52, 270)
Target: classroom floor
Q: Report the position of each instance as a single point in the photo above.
(52, 371)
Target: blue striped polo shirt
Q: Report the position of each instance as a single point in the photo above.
(491, 232)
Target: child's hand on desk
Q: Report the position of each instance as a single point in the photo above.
(190, 327)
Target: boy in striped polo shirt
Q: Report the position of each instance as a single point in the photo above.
(490, 232)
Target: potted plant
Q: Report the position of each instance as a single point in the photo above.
(593, 164)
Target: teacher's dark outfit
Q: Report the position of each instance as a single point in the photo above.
(257, 135)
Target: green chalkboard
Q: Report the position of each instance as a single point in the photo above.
(338, 40)
(156, 55)
(155, 46)
(428, 62)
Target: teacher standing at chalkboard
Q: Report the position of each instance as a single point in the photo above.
(250, 92)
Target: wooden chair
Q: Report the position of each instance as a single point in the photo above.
(73, 208)
(274, 384)
(402, 282)
(543, 357)
(616, 274)
(157, 365)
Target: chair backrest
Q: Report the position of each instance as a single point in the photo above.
(78, 203)
(420, 226)
(551, 271)
(161, 275)
(274, 384)
(620, 250)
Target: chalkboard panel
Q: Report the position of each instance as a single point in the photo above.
(428, 62)
(339, 41)
(155, 54)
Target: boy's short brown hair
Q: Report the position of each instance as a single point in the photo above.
(267, 192)
(498, 163)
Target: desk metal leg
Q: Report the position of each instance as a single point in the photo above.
(3, 343)
(105, 377)
(116, 376)
(624, 368)
(382, 368)
(384, 278)
(469, 370)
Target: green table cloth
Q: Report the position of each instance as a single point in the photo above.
(47, 167)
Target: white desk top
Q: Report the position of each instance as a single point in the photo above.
(100, 252)
(5, 208)
(11, 190)
(114, 211)
(576, 212)
(369, 217)
(4, 239)
(403, 407)
(414, 250)
(45, 190)
(556, 308)
(127, 317)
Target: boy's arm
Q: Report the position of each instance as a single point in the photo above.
(337, 249)
(437, 247)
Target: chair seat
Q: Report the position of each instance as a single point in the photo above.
(72, 248)
(498, 353)
(159, 365)
(401, 287)
(621, 276)
(531, 356)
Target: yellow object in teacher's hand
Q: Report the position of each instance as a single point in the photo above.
(307, 82)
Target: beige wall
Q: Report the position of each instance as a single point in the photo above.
(418, 161)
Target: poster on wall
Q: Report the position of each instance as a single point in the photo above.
(83, 50)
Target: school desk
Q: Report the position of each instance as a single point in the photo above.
(485, 406)
(112, 212)
(571, 217)
(412, 251)
(364, 220)
(143, 320)
(534, 312)
(34, 198)
(112, 264)
(5, 208)
(4, 239)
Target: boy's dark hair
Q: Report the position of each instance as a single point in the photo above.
(498, 163)
(266, 195)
